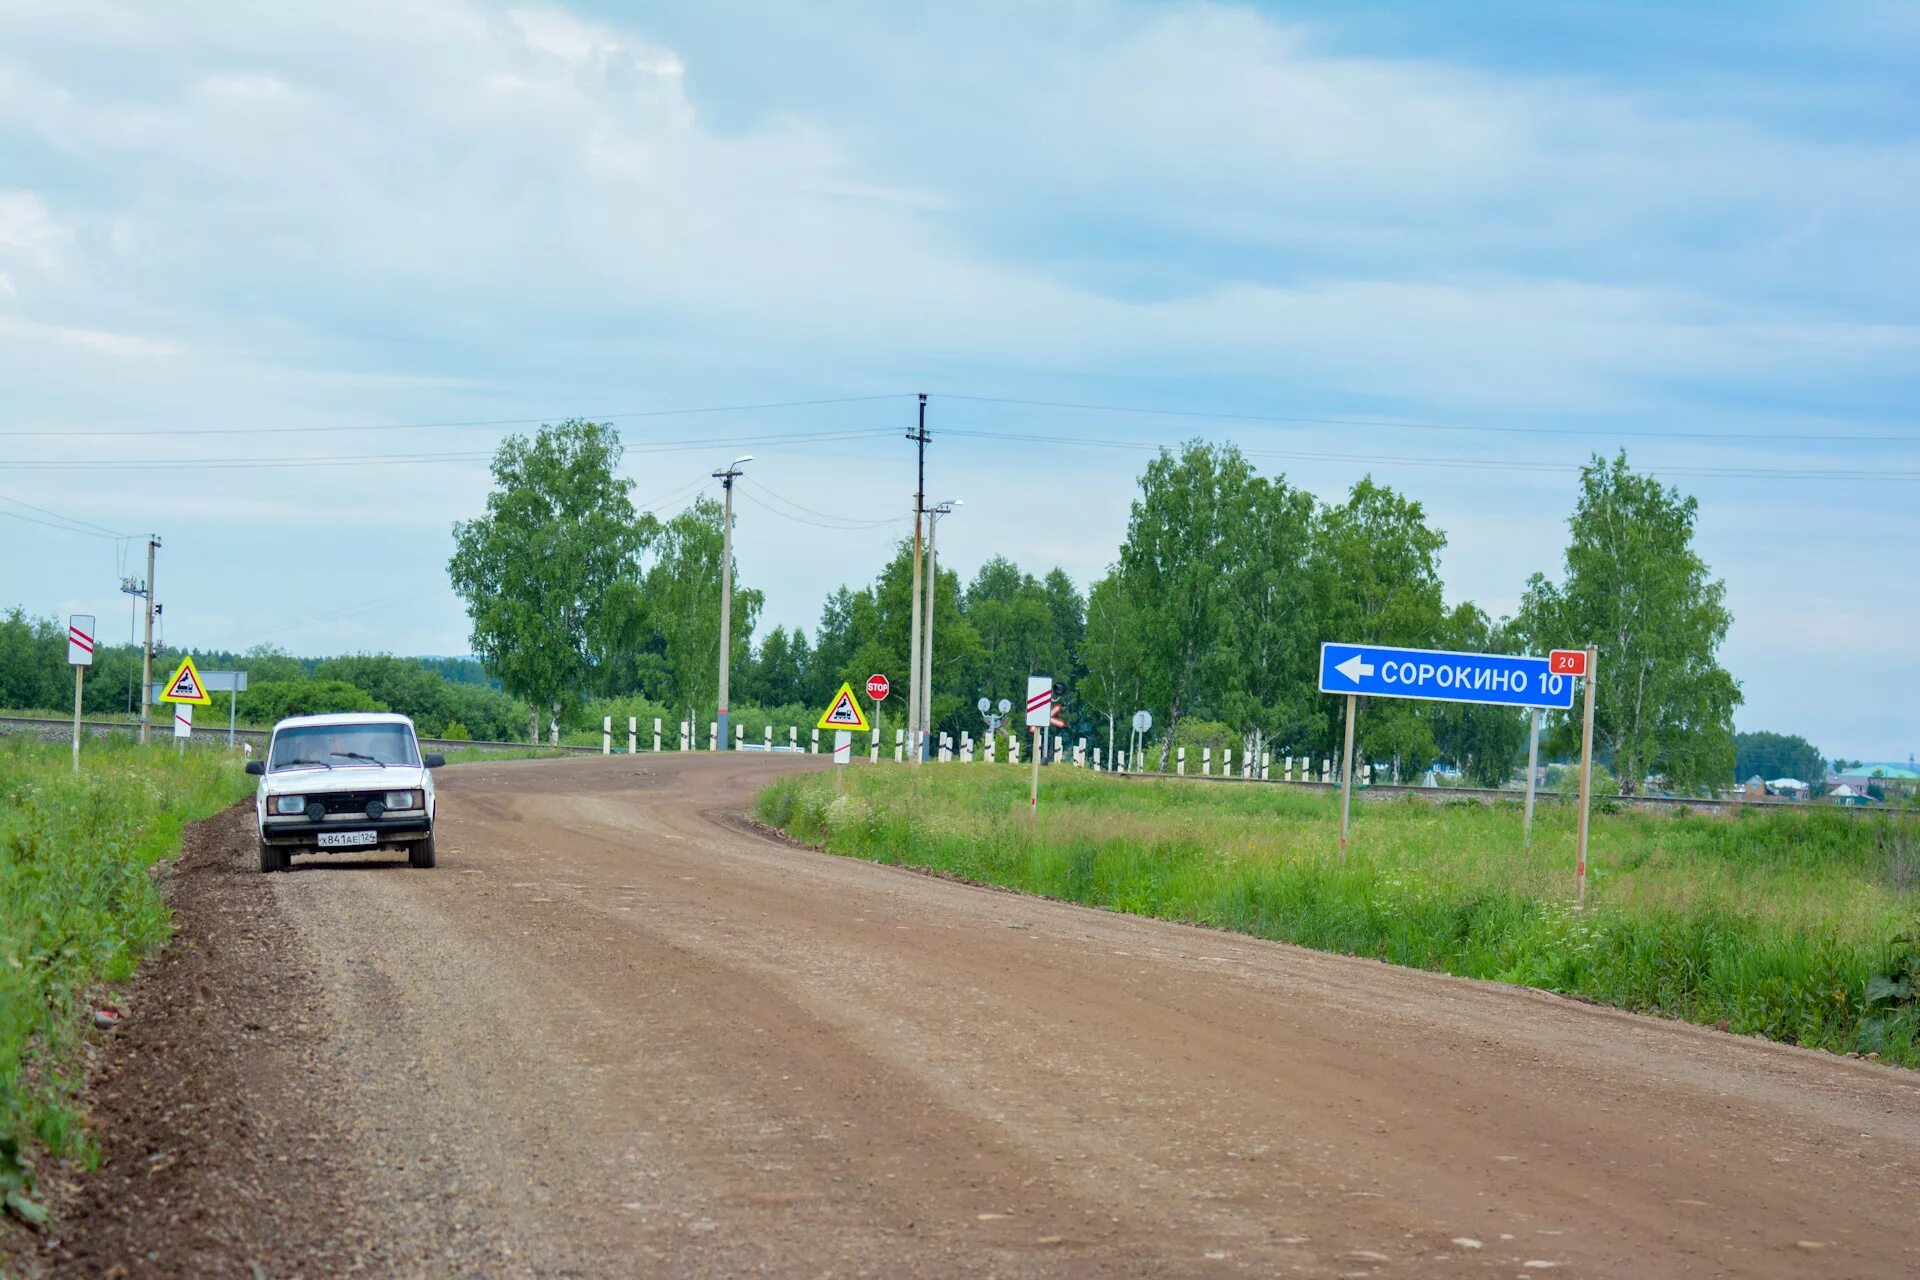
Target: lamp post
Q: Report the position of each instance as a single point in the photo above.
(933, 580)
(726, 478)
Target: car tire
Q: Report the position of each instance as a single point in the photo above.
(422, 854)
(271, 858)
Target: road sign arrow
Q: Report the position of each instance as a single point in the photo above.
(1353, 668)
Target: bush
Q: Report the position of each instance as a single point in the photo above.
(454, 732)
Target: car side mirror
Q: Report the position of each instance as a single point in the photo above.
(257, 768)
(435, 761)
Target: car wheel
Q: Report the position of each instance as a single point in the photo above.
(271, 858)
(421, 855)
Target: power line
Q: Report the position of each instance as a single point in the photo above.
(72, 524)
(406, 459)
(453, 425)
(824, 515)
(1461, 464)
(851, 526)
(1303, 420)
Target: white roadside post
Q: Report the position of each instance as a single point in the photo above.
(656, 733)
(769, 738)
(633, 735)
(713, 735)
(606, 735)
(1181, 762)
(1586, 784)
(739, 736)
(1533, 769)
(793, 737)
(813, 747)
(80, 632)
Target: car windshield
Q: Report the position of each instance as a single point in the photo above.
(342, 746)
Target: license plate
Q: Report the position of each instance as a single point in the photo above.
(346, 839)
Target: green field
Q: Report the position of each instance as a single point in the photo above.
(78, 908)
(1797, 926)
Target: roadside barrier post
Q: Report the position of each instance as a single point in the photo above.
(814, 748)
(1181, 763)
(1266, 766)
(1586, 784)
(656, 733)
(793, 737)
(713, 735)
(1533, 769)
(899, 745)
(769, 738)
(1346, 777)
(633, 735)
(606, 735)
(739, 736)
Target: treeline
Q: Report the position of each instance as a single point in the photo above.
(446, 697)
(1211, 616)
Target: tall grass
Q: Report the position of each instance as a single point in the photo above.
(78, 907)
(1797, 926)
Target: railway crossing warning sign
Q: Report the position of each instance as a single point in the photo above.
(844, 713)
(186, 686)
(80, 639)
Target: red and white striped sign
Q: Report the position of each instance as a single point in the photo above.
(183, 720)
(1039, 701)
(80, 640)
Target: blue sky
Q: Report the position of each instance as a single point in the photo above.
(1524, 232)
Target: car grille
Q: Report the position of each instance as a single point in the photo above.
(354, 802)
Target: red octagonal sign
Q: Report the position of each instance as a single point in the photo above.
(877, 688)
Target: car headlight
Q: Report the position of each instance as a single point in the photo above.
(403, 800)
(290, 804)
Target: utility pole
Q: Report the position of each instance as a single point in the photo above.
(146, 651)
(916, 693)
(926, 635)
(726, 478)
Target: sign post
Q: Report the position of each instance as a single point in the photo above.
(80, 631)
(1588, 659)
(1039, 715)
(1435, 675)
(1533, 770)
(1346, 777)
(878, 687)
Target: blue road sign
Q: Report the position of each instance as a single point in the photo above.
(1434, 675)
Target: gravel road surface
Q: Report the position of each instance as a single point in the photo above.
(620, 1032)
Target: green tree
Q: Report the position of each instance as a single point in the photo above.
(537, 571)
(1777, 755)
(1020, 621)
(1483, 739)
(1635, 586)
(1271, 632)
(1375, 570)
(683, 601)
(1114, 682)
(1185, 538)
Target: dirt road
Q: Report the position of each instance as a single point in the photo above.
(618, 1032)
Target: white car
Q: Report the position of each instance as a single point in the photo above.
(338, 782)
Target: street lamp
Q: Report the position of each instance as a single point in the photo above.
(925, 726)
(726, 478)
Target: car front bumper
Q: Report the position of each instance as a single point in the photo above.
(298, 831)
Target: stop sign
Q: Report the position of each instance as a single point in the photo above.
(877, 688)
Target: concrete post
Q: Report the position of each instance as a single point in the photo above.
(1181, 762)
(606, 735)
(813, 748)
(633, 735)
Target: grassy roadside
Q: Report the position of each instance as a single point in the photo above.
(1800, 926)
(77, 908)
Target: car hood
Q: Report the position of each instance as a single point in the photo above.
(307, 782)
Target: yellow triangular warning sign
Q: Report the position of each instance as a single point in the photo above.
(186, 687)
(844, 712)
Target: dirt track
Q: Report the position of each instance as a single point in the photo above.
(618, 1032)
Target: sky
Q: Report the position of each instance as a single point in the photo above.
(1460, 248)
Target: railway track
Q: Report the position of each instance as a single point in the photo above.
(53, 727)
